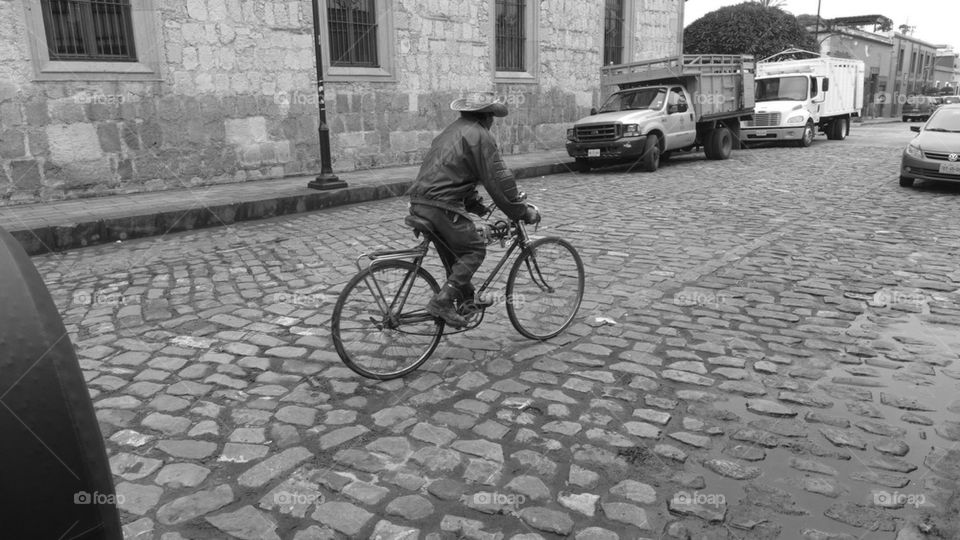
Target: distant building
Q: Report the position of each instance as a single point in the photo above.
(946, 71)
(127, 96)
(897, 65)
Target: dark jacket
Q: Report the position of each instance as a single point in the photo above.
(460, 158)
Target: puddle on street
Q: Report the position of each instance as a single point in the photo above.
(903, 340)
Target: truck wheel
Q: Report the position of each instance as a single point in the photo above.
(650, 160)
(582, 165)
(808, 133)
(838, 130)
(720, 143)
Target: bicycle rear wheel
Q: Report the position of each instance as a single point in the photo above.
(380, 327)
(545, 288)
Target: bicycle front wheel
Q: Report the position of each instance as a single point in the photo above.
(545, 288)
(380, 326)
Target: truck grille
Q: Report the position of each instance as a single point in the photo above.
(942, 156)
(764, 120)
(598, 132)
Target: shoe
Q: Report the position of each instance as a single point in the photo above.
(441, 305)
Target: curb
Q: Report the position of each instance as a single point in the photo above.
(103, 231)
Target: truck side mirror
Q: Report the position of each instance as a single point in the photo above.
(826, 84)
(593, 111)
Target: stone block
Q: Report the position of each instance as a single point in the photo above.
(151, 136)
(129, 131)
(66, 110)
(109, 137)
(125, 170)
(37, 141)
(10, 114)
(268, 153)
(282, 149)
(250, 156)
(246, 131)
(78, 174)
(12, 144)
(73, 142)
(25, 174)
(36, 112)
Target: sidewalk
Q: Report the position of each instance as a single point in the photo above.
(61, 225)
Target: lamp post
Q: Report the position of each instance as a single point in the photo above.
(816, 36)
(326, 179)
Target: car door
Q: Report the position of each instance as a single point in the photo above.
(679, 123)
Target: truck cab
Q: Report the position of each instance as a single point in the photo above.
(799, 93)
(626, 119)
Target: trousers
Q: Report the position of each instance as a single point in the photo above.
(459, 245)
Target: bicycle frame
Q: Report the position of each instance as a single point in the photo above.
(417, 255)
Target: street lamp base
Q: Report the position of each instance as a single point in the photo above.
(326, 181)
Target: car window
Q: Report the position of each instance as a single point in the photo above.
(944, 120)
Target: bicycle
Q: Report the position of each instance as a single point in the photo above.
(380, 326)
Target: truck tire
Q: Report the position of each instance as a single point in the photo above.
(650, 160)
(719, 144)
(838, 130)
(808, 133)
(582, 165)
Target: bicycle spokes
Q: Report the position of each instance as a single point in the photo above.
(536, 275)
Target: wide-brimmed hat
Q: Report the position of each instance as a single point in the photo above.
(480, 102)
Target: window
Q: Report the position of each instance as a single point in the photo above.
(613, 35)
(94, 40)
(85, 30)
(511, 35)
(515, 30)
(359, 40)
(353, 33)
(900, 61)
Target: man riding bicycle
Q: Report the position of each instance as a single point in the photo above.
(445, 193)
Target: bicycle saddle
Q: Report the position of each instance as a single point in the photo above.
(419, 225)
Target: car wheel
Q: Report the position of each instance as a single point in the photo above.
(650, 161)
(906, 182)
(807, 139)
(582, 165)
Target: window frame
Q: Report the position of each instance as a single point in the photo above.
(531, 47)
(386, 48)
(146, 41)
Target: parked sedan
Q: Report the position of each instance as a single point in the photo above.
(935, 153)
(919, 108)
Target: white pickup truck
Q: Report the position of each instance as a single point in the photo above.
(799, 93)
(665, 105)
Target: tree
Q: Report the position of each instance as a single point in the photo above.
(747, 28)
(771, 3)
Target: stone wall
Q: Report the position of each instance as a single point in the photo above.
(234, 99)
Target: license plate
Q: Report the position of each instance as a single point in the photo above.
(761, 133)
(593, 152)
(950, 168)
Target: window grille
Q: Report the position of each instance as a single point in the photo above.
(353, 33)
(89, 30)
(613, 24)
(511, 35)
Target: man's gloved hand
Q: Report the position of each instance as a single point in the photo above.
(532, 216)
(475, 205)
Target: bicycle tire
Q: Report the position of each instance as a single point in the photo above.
(361, 332)
(537, 313)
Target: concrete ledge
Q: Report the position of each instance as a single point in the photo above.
(138, 223)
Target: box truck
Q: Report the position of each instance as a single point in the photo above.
(800, 93)
(656, 107)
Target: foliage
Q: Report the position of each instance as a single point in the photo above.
(747, 28)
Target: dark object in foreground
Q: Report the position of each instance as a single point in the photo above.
(56, 480)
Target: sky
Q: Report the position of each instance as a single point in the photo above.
(935, 22)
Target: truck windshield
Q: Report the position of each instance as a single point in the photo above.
(645, 98)
(782, 88)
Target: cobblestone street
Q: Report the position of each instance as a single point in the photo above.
(766, 349)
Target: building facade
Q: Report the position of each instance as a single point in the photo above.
(946, 72)
(124, 96)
